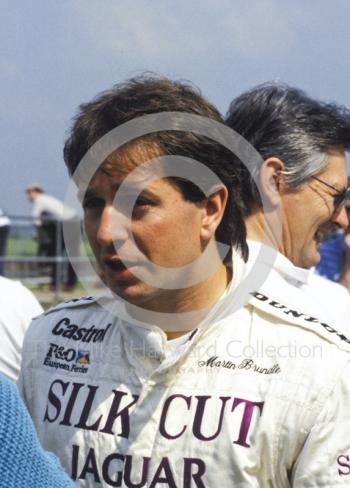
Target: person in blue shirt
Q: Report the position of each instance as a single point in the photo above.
(332, 253)
(23, 462)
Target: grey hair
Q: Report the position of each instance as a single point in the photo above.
(300, 170)
(283, 122)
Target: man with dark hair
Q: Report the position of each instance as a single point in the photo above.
(140, 97)
(164, 383)
(302, 142)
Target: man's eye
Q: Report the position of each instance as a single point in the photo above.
(142, 201)
(92, 203)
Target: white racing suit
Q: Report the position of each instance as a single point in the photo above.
(258, 397)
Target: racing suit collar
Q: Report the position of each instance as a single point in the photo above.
(148, 342)
(281, 264)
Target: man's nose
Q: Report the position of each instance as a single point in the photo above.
(340, 217)
(113, 226)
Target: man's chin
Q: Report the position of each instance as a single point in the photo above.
(312, 259)
(134, 294)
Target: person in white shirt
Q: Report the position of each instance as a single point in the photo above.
(48, 214)
(247, 396)
(4, 232)
(302, 143)
(18, 306)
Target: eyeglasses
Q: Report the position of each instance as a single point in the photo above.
(341, 197)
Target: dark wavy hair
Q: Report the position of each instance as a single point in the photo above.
(149, 95)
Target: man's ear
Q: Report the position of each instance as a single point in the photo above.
(213, 211)
(270, 180)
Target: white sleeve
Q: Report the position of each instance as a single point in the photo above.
(36, 211)
(324, 460)
(18, 307)
(29, 306)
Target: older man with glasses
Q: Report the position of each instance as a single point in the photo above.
(302, 142)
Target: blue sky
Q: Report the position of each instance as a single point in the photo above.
(56, 54)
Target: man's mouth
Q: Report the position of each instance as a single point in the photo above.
(118, 265)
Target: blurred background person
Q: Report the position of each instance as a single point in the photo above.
(4, 233)
(48, 214)
(332, 252)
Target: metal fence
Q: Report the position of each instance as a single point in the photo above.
(24, 257)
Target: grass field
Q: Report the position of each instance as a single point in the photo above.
(28, 247)
(21, 247)
(33, 275)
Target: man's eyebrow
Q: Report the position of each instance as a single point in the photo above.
(83, 195)
(147, 192)
(133, 189)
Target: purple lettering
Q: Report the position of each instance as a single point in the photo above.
(123, 413)
(163, 417)
(344, 462)
(54, 400)
(246, 420)
(82, 424)
(105, 470)
(189, 475)
(75, 455)
(198, 418)
(168, 476)
(90, 467)
(128, 469)
(70, 404)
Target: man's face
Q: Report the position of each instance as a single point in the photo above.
(165, 227)
(31, 195)
(308, 211)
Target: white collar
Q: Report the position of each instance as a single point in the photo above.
(281, 264)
